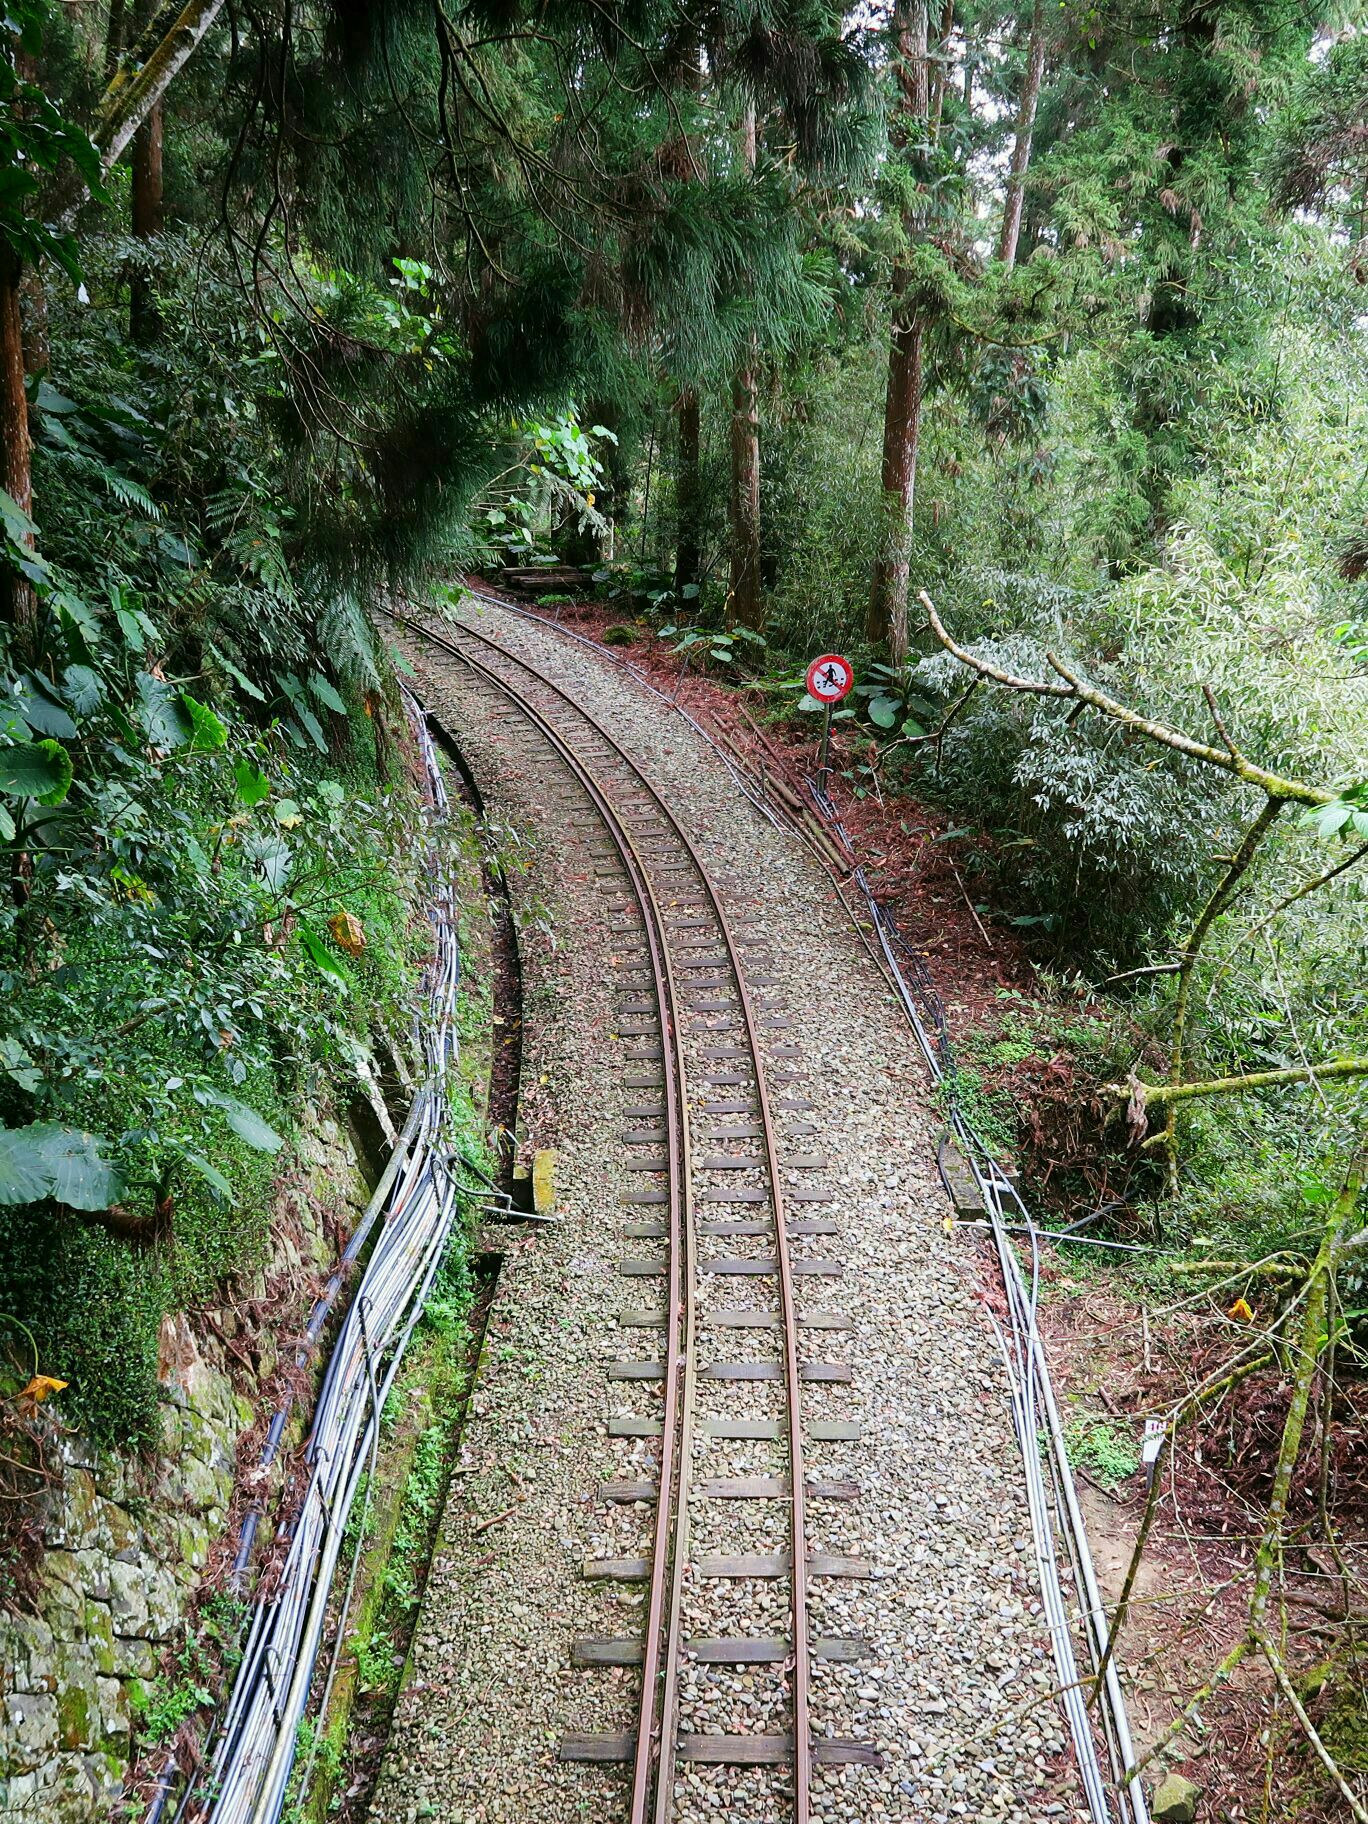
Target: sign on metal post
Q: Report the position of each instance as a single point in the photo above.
(829, 678)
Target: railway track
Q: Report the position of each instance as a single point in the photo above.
(707, 1067)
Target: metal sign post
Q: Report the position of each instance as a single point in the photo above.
(829, 679)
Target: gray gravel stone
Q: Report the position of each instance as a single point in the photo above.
(952, 1616)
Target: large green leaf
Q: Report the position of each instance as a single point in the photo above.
(211, 1175)
(246, 1123)
(43, 716)
(208, 733)
(18, 526)
(65, 1163)
(24, 1174)
(163, 714)
(252, 783)
(84, 689)
(326, 695)
(36, 769)
(322, 958)
(80, 1176)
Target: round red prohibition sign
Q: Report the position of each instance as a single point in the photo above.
(830, 678)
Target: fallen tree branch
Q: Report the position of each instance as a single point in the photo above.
(1323, 1754)
(1073, 688)
(1234, 1086)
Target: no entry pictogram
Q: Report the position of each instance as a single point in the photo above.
(830, 678)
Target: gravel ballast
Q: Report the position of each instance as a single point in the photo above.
(957, 1667)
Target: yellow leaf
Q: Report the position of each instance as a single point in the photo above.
(40, 1387)
(347, 933)
(1241, 1312)
(589, 498)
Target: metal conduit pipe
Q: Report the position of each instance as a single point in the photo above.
(414, 1205)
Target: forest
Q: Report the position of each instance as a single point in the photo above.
(1018, 353)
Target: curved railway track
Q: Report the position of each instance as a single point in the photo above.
(700, 1048)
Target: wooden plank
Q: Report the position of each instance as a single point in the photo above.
(742, 1488)
(605, 1653)
(645, 1231)
(653, 1164)
(724, 1230)
(617, 1570)
(773, 1371)
(642, 1269)
(635, 1428)
(644, 1136)
(627, 1492)
(740, 1651)
(801, 1196)
(644, 1197)
(730, 1162)
(579, 1746)
(733, 1193)
(751, 1131)
(733, 1317)
(807, 1162)
(814, 1225)
(834, 1431)
(838, 1564)
(836, 1751)
(728, 1263)
(742, 1564)
(636, 1371)
(652, 1317)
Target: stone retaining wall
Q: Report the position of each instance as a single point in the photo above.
(129, 1544)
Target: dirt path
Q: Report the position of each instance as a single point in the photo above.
(951, 1614)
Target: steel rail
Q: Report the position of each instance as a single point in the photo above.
(800, 1642)
(1027, 1363)
(669, 1545)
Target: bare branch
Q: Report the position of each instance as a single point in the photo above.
(1275, 784)
(1221, 728)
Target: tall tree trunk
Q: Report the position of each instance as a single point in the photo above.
(688, 492)
(746, 606)
(886, 619)
(744, 603)
(18, 604)
(887, 616)
(1025, 129)
(148, 220)
(114, 37)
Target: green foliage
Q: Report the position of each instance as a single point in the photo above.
(37, 140)
(988, 1113)
(1101, 1449)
